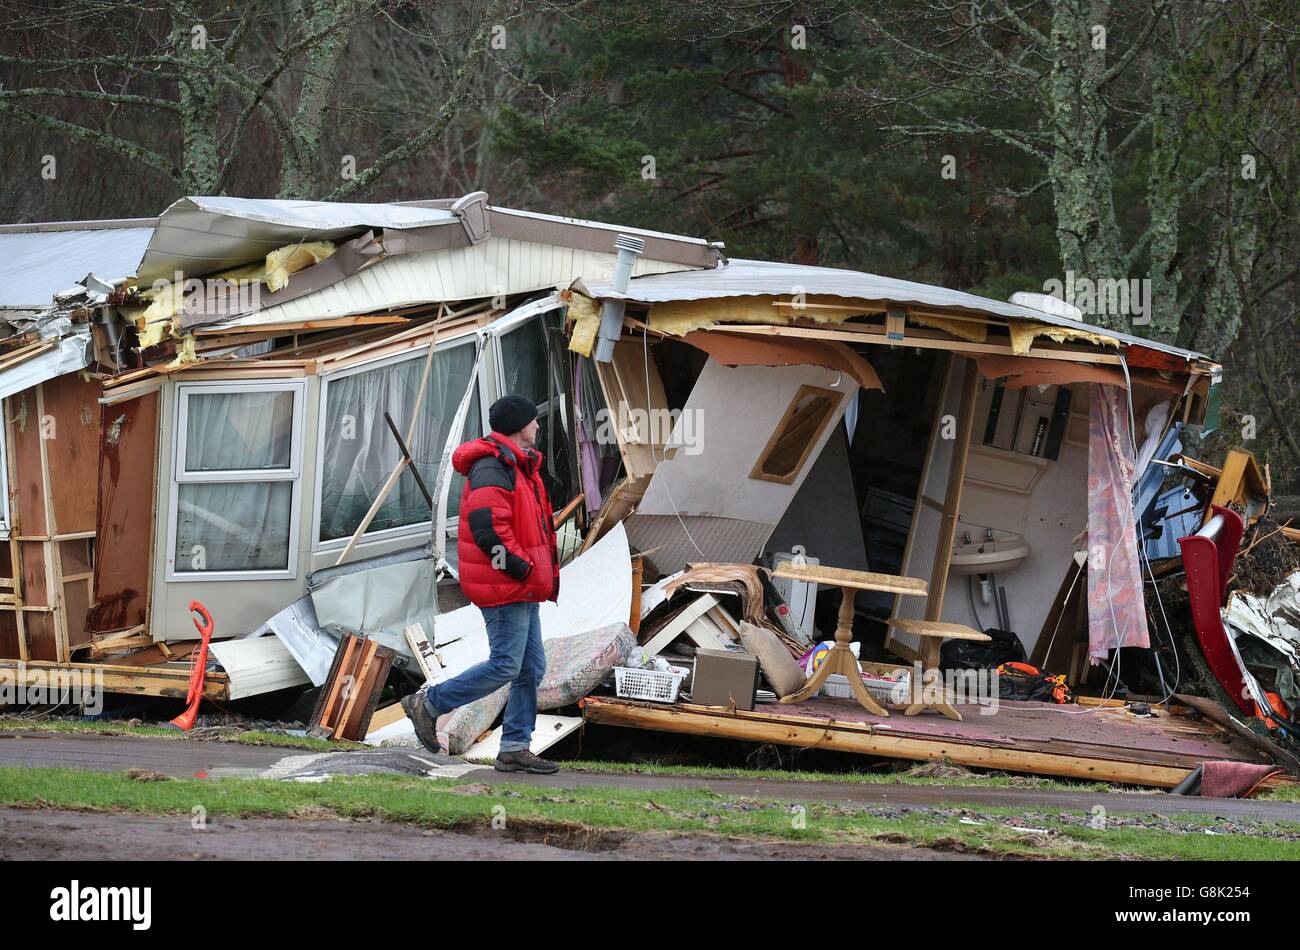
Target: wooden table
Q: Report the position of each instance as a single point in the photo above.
(936, 631)
(841, 659)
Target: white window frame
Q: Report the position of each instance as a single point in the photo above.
(422, 527)
(544, 407)
(291, 474)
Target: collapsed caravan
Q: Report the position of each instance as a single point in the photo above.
(762, 468)
(950, 466)
(262, 375)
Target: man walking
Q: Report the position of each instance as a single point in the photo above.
(508, 566)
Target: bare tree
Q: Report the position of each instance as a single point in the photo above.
(132, 79)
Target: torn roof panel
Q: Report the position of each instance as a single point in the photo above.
(39, 261)
(498, 266)
(202, 235)
(746, 278)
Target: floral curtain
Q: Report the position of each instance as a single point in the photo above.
(1117, 614)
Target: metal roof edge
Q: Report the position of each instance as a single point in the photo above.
(106, 224)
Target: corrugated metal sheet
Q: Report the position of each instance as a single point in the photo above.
(35, 265)
(745, 278)
(672, 546)
(497, 266)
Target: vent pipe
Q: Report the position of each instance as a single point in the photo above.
(611, 315)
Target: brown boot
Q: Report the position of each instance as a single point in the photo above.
(426, 728)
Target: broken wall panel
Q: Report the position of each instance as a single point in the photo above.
(10, 648)
(70, 429)
(23, 417)
(125, 527)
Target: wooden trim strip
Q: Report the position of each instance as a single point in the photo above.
(841, 737)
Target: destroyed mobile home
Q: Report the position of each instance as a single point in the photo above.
(805, 506)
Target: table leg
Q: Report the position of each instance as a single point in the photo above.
(841, 660)
(932, 678)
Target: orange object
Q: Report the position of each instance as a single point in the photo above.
(199, 664)
(1279, 707)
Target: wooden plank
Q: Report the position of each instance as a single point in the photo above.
(1230, 484)
(47, 426)
(951, 508)
(926, 340)
(27, 487)
(638, 572)
(387, 716)
(171, 681)
(15, 554)
(680, 623)
(620, 502)
(942, 630)
(861, 580)
(352, 689)
(426, 657)
(329, 699)
(831, 735)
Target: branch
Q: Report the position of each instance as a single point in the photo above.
(91, 95)
(112, 143)
(755, 97)
(1122, 63)
(459, 93)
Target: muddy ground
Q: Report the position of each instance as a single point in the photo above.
(32, 834)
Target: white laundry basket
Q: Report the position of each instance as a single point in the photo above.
(654, 685)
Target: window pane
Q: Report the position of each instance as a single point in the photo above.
(359, 450)
(555, 458)
(523, 356)
(804, 422)
(233, 526)
(239, 431)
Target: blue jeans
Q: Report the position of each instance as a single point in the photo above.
(517, 657)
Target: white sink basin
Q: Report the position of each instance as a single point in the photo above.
(988, 557)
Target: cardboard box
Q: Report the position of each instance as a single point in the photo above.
(725, 678)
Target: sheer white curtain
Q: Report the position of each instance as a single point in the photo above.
(236, 525)
(359, 451)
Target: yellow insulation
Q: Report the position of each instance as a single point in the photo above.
(289, 260)
(962, 329)
(185, 353)
(586, 314)
(156, 321)
(1024, 332)
(678, 318)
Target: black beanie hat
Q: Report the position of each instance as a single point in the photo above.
(510, 414)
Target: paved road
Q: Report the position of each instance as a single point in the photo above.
(186, 758)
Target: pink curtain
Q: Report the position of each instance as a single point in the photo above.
(1117, 615)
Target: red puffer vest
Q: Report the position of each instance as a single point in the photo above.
(507, 540)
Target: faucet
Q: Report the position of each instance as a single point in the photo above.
(965, 537)
(988, 534)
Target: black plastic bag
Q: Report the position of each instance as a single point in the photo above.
(1004, 647)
